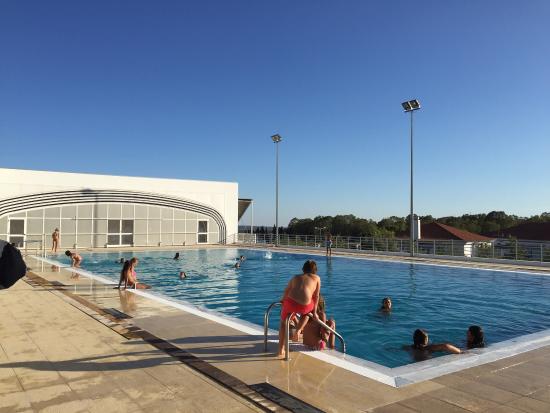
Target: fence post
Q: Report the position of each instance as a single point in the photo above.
(373, 246)
(541, 253)
(348, 242)
(516, 250)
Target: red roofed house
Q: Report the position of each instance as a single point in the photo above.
(460, 242)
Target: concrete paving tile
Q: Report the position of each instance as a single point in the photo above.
(503, 409)
(486, 391)
(14, 402)
(461, 399)
(393, 408)
(543, 395)
(10, 384)
(115, 401)
(426, 404)
(31, 379)
(527, 404)
(92, 388)
(516, 385)
(452, 380)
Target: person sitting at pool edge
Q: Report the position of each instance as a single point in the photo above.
(386, 305)
(301, 296)
(475, 337)
(316, 336)
(177, 256)
(129, 277)
(422, 349)
(75, 258)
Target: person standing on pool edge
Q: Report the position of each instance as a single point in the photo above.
(55, 240)
(301, 296)
(328, 243)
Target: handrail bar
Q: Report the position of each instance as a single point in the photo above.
(266, 321)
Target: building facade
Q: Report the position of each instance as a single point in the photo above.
(113, 211)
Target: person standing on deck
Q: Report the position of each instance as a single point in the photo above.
(328, 244)
(301, 296)
(55, 240)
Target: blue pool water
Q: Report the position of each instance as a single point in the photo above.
(442, 300)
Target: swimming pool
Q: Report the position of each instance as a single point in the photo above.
(442, 300)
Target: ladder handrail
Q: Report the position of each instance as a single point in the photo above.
(287, 328)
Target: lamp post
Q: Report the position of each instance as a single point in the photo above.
(320, 232)
(411, 106)
(276, 139)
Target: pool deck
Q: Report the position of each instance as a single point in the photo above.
(69, 343)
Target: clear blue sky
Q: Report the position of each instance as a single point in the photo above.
(195, 89)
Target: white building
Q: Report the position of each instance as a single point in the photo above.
(102, 210)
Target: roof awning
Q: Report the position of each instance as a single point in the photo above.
(244, 203)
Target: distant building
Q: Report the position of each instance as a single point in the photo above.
(104, 211)
(458, 241)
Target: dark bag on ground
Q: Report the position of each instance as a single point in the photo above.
(12, 266)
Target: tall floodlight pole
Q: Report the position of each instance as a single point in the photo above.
(276, 139)
(411, 106)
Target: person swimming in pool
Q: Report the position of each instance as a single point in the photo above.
(76, 259)
(237, 265)
(183, 275)
(242, 258)
(475, 338)
(386, 305)
(301, 296)
(177, 256)
(121, 261)
(421, 348)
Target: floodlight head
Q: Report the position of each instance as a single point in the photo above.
(276, 138)
(411, 105)
(415, 104)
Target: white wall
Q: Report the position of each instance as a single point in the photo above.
(223, 196)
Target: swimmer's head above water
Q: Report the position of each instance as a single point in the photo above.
(386, 304)
(420, 339)
(475, 337)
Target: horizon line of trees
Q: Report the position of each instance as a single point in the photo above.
(350, 225)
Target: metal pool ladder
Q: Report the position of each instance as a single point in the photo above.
(287, 329)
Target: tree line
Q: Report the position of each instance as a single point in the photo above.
(350, 225)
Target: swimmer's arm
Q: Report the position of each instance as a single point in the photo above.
(449, 348)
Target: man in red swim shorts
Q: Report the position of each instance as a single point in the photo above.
(301, 296)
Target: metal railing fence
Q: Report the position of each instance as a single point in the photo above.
(504, 249)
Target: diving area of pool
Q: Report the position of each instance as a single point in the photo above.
(511, 306)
